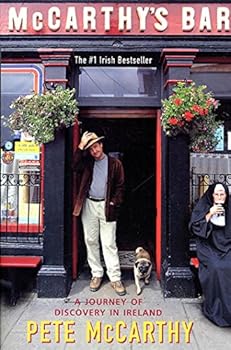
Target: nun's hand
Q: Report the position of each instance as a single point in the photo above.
(216, 209)
(212, 210)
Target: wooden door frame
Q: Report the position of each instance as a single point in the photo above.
(125, 113)
(75, 142)
(158, 223)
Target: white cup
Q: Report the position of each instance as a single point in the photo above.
(219, 218)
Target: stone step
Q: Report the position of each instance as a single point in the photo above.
(127, 259)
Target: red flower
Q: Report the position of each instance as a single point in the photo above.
(178, 101)
(204, 111)
(173, 121)
(200, 110)
(181, 123)
(188, 116)
(196, 108)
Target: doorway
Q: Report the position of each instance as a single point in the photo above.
(132, 138)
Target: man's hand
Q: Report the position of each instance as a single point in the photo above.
(85, 139)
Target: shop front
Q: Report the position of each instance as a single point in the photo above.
(122, 59)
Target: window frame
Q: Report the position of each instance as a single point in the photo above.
(38, 78)
(147, 101)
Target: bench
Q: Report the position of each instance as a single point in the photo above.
(13, 263)
(194, 262)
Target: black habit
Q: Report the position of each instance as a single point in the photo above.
(214, 253)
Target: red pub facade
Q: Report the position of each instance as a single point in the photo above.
(122, 59)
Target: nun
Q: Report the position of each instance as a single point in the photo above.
(211, 225)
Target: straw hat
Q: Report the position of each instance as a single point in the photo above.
(94, 138)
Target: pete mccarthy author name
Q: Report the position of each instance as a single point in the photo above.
(98, 332)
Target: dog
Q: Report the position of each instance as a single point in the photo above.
(142, 268)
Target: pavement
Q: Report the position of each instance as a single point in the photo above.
(104, 321)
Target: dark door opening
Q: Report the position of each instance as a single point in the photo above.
(133, 141)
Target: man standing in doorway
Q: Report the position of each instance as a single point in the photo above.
(99, 195)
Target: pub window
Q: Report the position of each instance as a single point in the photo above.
(214, 75)
(125, 82)
(214, 166)
(21, 159)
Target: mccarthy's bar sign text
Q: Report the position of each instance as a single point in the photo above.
(115, 19)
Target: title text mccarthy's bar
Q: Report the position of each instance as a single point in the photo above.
(115, 19)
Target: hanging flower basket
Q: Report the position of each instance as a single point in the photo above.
(42, 115)
(192, 111)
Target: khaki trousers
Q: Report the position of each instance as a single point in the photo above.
(97, 229)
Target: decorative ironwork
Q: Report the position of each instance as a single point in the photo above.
(20, 179)
(201, 181)
(21, 202)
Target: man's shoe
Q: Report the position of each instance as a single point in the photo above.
(118, 287)
(95, 284)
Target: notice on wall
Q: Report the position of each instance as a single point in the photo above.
(26, 147)
(220, 136)
(26, 150)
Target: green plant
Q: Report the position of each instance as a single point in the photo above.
(190, 110)
(41, 115)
